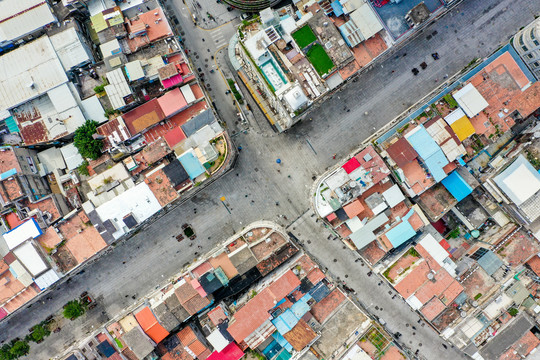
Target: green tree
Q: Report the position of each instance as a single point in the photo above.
(73, 309)
(88, 146)
(39, 333)
(19, 348)
(5, 353)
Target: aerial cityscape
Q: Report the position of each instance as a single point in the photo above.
(269, 180)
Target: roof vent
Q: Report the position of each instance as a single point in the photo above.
(430, 276)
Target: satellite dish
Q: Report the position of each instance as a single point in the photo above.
(463, 314)
(475, 303)
(430, 276)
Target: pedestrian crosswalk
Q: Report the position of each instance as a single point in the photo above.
(218, 38)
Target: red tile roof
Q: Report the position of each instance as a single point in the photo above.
(300, 335)
(354, 208)
(143, 116)
(401, 152)
(197, 347)
(326, 306)
(534, 264)
(172, 102)
(157, 27)
(174, 136)
(186, 336)
(433, 308)
(410, 283)
(217, 315)
(255, 312)
(315, 276)
(351, 165)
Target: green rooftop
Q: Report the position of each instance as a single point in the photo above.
(320, 59)
(304, 36)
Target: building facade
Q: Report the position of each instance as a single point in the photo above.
(527, 44)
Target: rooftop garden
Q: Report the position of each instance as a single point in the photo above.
(304, 36)
(320, 59)
(402, 265)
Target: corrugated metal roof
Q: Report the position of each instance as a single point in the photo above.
(368, 23)
(470, 100)
(365, 235)
(490, 262)
(21, 17)
(70, 49)
(457, 186)
(28, 72)
(117, 89)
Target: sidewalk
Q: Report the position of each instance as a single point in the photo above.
(209, 14)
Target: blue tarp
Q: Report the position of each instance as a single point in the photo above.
(457, 186)
(191, 164)
(337, 7)
(401, 232)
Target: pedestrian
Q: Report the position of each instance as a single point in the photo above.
(334, 156)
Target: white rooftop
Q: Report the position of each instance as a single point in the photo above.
(470, 100)
(117, 89)
(188, 93)
(134, 70)
(30, 258)
(367, 22)
(52, 159)
(27, 230)
(454, 116)
(217, 340)
(296, 98)
(71, 156)
(70, 49)
(520, 181)
(257, 44)
(28, 72)
(110, 48)
(22, 17)
(47, 279)
(117, 172)
(138, 201)
(93, 109)
(393, 196)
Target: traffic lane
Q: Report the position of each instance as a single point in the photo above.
(379, 95)
(375, 294)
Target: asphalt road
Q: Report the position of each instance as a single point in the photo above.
(260, 189)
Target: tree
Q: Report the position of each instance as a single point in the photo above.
(5, 353)
(39, 333)
(88, 146)
(19, 348)
(73, 310)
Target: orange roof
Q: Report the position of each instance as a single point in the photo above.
(315, 276)
(217, 315)
(197, 347)
(156, 27)
(433, 308)
(172, 102)
(222, 260)
(353, 209)
(186, 336)
(534, 264)
(150, 325)
(442, 280)
(326, 306)
(85, 244)
(452, 292)
(410, 283)
(255, 311)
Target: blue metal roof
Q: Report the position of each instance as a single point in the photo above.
(429, 151)
(285, 322)
(401, 232)
(435, 164)
(281, 341)
(337, 7)
(191, 164)
(422, 142)
(319, 291)
(300, 308)
(457, 186)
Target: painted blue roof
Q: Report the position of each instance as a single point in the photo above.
(337, 7)
(191, 164)
(281, 341)
(457, 186)
(285, 322)
(300, 308)
(435, 164)
(429, 151)
(8, 173)
(422, 142)
(402, 231)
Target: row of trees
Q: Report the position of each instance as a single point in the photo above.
(17, 348)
